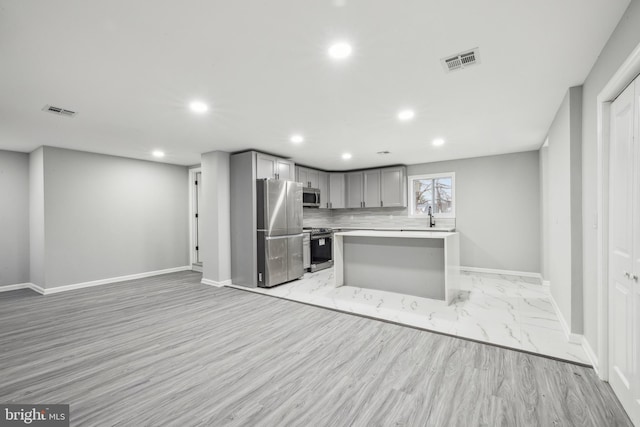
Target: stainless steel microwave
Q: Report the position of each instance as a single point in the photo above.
(310, 197)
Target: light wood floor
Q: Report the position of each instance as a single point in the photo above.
(169, 351)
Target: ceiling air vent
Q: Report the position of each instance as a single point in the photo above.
(460, 60)
(59, 111)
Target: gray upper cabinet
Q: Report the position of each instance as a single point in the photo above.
(274, 168)
(337, 196)
(371, 189)
(393, 187)
(355, 186)
(308, 177)
(323, 185)
(286, 169)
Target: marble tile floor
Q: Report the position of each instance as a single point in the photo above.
(509, 311)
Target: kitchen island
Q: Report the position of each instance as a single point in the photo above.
(419, 263)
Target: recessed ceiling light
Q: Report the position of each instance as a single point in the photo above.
(159, 154)
(340, 50)
(297, 139)
(438, 142)
(198, 107)
(406, 115)
(346, 156)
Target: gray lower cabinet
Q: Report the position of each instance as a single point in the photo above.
(337, 193)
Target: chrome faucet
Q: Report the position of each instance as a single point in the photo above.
(432, 222)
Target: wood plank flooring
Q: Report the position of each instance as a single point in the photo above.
(169, 351)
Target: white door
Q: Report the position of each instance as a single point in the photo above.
(635, 275)
(623, 293)
(197, 214)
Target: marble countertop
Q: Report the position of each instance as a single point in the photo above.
(403, 234)
(432, 229)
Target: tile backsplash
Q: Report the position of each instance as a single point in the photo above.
(369, 217)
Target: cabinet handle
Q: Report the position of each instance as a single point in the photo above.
(381, 205)
(627, 274)
(635, 277)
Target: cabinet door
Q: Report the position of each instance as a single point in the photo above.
(336, 191)
(323, 185)
(265, 166)
(285, 170)
(313, 178)
(302, 176)
(355, 182)
(371, 191)
(393, 185)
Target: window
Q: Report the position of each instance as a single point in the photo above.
(432, 191)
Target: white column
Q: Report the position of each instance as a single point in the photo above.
(215, 219)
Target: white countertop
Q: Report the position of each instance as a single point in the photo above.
(432, 229)
(403, 234)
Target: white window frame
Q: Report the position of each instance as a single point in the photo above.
(412, 206)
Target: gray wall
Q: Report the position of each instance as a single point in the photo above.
(497, 208)
(215, 217)
(36, 218)
(14, 218)
(563, 208)
(622, 42)
(110, 216)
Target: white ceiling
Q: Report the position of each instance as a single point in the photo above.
(130, 68)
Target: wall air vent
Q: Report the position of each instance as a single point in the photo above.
(59, 111)
(460, 60)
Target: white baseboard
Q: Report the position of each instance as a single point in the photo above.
(571, 337)
(593, 359)
(502, 272)
(216, 284)
(57, 289)
(15, 287)
(546, 283)
(37, 288)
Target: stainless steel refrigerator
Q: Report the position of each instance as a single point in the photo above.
(279, 210)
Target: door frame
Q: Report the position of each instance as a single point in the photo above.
(193, 257)
(627, 72)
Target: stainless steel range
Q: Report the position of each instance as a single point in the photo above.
(321, 248)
